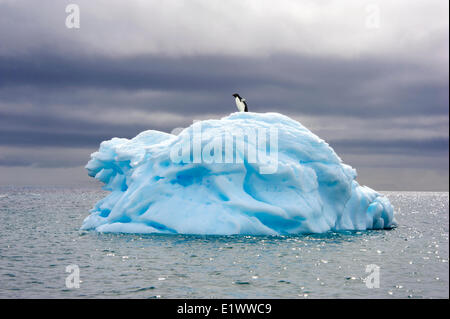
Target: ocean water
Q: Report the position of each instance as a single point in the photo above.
(40, 237)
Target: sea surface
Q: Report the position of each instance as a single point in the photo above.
(40, 238)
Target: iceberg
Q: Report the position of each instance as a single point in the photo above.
(247, 173)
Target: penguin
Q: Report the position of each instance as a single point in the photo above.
(240, 103)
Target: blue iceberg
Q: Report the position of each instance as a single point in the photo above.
(247, 173)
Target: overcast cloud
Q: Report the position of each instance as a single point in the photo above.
(375, 87)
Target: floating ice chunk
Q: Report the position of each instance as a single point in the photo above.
(248, 173)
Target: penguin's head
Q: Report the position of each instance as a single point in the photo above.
(236, 95)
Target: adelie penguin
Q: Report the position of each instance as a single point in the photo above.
(240, 103)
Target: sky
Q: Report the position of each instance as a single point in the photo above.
(369, 77)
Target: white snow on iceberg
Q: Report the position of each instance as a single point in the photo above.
(159, 184)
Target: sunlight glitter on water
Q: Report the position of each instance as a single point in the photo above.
(40, 236)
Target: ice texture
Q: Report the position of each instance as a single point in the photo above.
(311, 190)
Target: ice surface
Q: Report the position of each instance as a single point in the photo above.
(167, 183)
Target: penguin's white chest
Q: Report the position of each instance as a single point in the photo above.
(240, 105)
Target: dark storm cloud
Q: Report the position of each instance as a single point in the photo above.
(289, 83)
(379, 97)
(44, 157)
(54, 86)
(28, 129)
(30, 138)
(432, 146)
